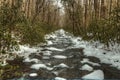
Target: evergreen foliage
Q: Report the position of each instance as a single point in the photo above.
(16, 28)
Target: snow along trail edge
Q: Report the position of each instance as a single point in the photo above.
(59, 41)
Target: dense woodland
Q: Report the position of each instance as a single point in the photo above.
(93, 19)
(27, 21)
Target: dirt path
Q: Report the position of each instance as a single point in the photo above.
(60, 58)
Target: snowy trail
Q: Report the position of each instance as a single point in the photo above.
(65, 56)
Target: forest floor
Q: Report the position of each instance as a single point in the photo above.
(65, 57)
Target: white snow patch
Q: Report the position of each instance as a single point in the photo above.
(106, 56)
(87, 67)
(27, 49)
(55, 72)
(60, 57)
(31, 60)
(47, 53)
(85, 60)
(49, 64)
(54, 49)
(62, 65)
(92, 48)
(4, 63)
(57, 35)
(48, 36)
(33, 74)
(59, 78)
(38, 66)
(46, 57)
(90, 51)
(49, 42)
(96, 75)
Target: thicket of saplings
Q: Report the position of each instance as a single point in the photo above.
(106, 31)
(16, 28)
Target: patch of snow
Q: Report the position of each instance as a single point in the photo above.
(89, 34)
(96, 75)
(31, 60)
(33, 74)
(93, 51)
(38, 66)
(49, 68)
(54, 49)
(48, 36)
(46, 57)
(92, 48)
(47, 53)
(25, 50)
(62, 65)
(87, 67)
(60, 57)
(49, 64)
(59, 78)
(4, 63)
(106, 56)
(49, 42)
(85, 60)
(55, 72)
(58, 34)
(62, 31)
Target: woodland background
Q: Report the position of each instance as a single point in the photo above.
(27, 21)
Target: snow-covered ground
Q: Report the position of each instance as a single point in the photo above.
(38, 66)
(33, 74)
(96, 75)
(85, 60)
(96, 49)
(87, 67)
(60, 57)
(59, 78)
